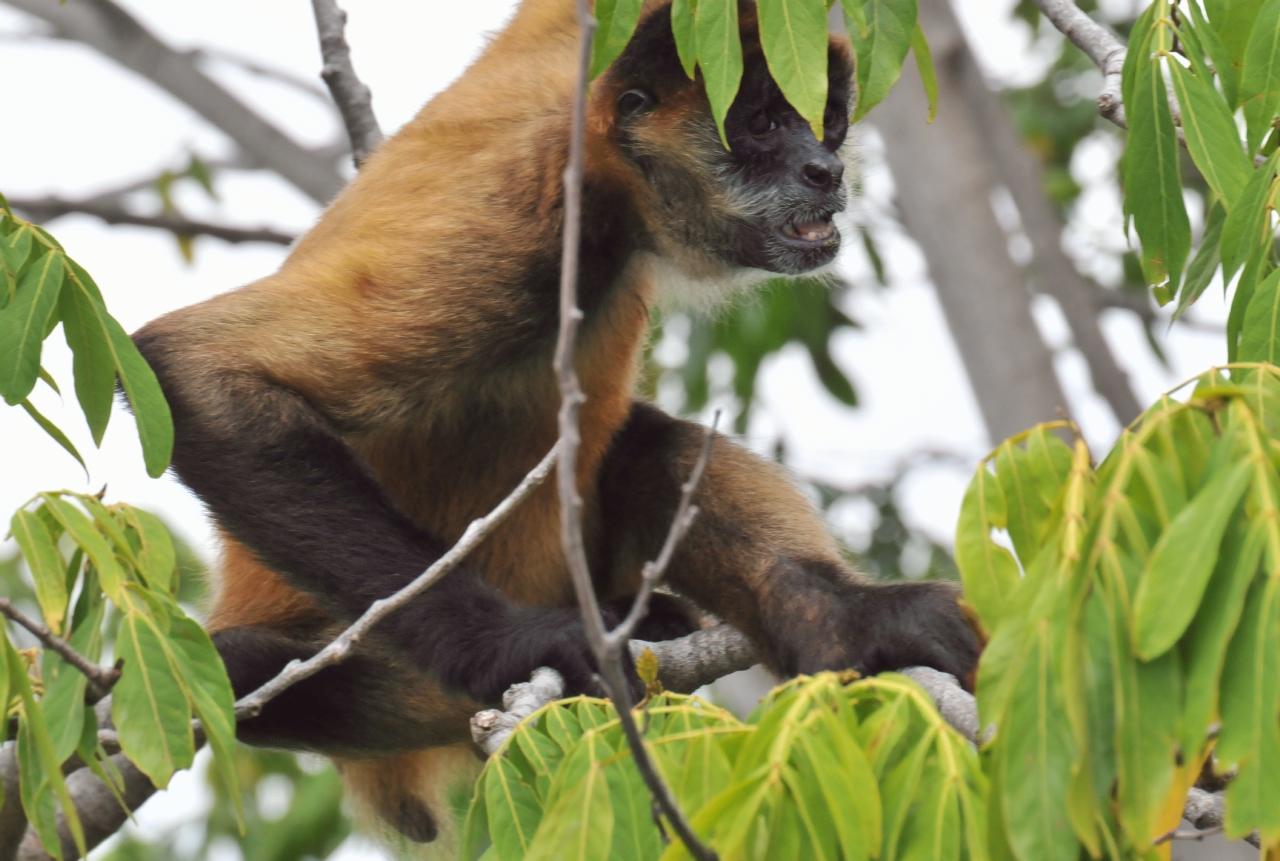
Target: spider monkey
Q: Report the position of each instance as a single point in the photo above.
(345, 418)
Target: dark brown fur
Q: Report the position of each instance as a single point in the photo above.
(348, 416)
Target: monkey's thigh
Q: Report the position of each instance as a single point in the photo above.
(370, 704)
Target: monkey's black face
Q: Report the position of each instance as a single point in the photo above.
(767, 201)
(788, 182)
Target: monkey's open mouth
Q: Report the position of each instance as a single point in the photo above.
(811, 233)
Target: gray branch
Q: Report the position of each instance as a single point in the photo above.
(116, 34)
(1101, 46)
(100, 679)
(49, 208)
(353, 98)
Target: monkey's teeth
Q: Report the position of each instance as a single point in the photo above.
(810, 231)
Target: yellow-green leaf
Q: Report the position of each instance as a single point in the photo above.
(148, 705)
(617, 20)
(23, 323)
(48, 568)
(793, 34)
(719, 55)
(924, 61)
(879, 55)
(1181, 563)
(684, 29)
(988, 571)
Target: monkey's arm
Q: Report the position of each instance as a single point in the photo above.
(759, 557)
(277, 476)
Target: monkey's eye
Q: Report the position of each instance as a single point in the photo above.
(633, 103)
(761, 123)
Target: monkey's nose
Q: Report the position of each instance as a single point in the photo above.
(823, 175)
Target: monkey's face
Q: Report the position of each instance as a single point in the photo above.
(764, 203)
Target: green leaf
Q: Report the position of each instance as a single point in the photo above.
(578, 825)
(1260, 77)
(1217, 51)
(1205, 263)
(100, 339)
(878, 57)
(1153, 189)
(924, 61)
(22, 326)
(82, 531)
(793, 34)
(855, 16)
(39, 769)
(635, 835)
(1210, 133)
(1215, 621)
(617, 21)
(1038, 757)
(149, 707)
(1243, 229)
(157, 558)
(988, 571)
(48, 568)
(56, 432)
(513, 810)
(196, 662)
(684, 29)
(64, 685)
(95, 376)
(1182, 562)
(1250, 735)
(1260, 338)
(15, 247)
(719, 55)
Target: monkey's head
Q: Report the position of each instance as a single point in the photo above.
(765, 203)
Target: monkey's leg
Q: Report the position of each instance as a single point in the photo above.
(759, 556)
(369, 704)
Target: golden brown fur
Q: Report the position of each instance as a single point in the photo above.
(413, 326)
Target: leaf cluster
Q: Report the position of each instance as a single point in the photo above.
(825, 768)
(793, 35)
(1135, 625)
(40, 287)
(95, 566)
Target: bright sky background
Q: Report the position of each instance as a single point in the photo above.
(81, 124)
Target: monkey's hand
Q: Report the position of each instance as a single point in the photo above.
(871, 628)
(556, 637)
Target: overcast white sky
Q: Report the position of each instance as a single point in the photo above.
(80, 124)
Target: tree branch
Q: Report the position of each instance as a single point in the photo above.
(607, 648)
(101, 679)
(353, 98)
(104, 26)
(49, 208)
(1100, 44)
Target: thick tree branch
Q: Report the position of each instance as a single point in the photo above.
(353, 98)
(101, 679)
(48, 208)
(112, 31)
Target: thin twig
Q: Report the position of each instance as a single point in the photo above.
(1188, 835)
(48, 208)
(101, 679)
(339, 649)
(653, 571)
(352, 97)
(608, 651)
